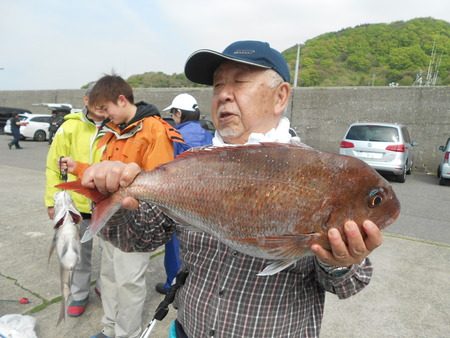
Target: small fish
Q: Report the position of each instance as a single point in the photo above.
(67, 243)
(269, 200)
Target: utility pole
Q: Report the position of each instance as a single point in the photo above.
(431, 66)
(297, 61)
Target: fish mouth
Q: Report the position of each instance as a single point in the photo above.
(392, 219)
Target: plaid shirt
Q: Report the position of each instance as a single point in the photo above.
(224, 297)
(141, 231)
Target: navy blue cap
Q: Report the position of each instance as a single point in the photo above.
(201, 65)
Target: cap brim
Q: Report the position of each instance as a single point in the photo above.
(201, 65)
(167, 108)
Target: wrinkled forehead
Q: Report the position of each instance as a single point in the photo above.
(236, 68)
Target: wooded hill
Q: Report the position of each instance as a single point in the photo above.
(414, 52)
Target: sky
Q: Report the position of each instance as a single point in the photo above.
(57, 44)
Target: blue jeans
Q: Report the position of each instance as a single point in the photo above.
(172, 261)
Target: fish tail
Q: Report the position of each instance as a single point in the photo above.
(101, 214)
(93, 194)
(66, 277)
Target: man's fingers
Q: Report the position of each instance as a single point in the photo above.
(129, 173)
(112, 178)
(338, 246)
(130, 203)
(374, 235)
(356, 245)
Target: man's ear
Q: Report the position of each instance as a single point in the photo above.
(122, 101)
(283, 93)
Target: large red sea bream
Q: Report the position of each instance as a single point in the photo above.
(269, 200)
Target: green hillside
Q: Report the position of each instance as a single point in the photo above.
(370, 54)
(376, 54)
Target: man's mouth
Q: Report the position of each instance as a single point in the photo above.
(225, 115)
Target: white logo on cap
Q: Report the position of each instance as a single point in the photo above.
(244, 51)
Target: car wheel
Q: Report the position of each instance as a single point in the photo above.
(439, 172)
(408, 172)
(443, 181)
(39, 136)
(402, 177)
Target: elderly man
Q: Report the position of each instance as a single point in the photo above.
(223, 296)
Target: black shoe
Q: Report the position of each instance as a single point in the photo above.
(9, 146)
(160, 288)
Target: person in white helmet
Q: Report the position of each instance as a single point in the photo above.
(186, 114)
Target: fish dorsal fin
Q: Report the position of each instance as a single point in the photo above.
(206, 150)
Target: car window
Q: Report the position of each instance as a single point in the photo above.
(41, 119)
(373, 133)
(406, 135)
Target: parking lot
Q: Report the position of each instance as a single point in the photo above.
(408, 295)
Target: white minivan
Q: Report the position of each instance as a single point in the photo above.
(386, 147)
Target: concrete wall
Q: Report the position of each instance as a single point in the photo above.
(320, 115)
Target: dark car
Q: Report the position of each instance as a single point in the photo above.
(7, 112)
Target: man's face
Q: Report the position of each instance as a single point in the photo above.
(243, 101)
(116, 112)
(95, 115)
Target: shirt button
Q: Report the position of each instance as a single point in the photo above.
(212, 332)
(221, 292)
(234, 253)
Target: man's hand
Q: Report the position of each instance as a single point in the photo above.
(66, 163)
(110, 176)
(359, 244)
(51, 212)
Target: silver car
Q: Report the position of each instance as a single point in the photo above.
(386, 147)
(444, 167)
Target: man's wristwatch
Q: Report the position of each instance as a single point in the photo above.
(335, 271)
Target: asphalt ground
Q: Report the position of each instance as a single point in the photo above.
(409, 295)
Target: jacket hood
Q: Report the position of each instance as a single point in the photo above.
(75, 116)
(144, 109)
(80, 116)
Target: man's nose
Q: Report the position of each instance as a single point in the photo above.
(225, 93)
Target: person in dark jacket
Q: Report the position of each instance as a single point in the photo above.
(186, 114)
(15, 130)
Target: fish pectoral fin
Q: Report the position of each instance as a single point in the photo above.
(103, 211)
(276, 267)
(283, 246)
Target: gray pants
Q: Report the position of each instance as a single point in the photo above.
(81, 282)
(124, 290)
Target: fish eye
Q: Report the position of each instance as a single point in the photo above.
(375, 198)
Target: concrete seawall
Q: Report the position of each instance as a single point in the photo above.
(320, 115)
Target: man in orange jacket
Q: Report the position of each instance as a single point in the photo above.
(135, 133)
